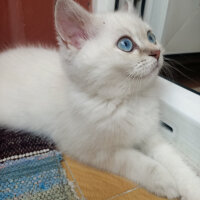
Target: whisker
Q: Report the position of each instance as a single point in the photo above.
(168, 72)
(169, 65)
(173, 62)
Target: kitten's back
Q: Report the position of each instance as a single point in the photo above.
(31, 81)
(28, 58)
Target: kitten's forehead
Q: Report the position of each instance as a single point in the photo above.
(120, 24)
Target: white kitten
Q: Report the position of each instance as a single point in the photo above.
(96, 98)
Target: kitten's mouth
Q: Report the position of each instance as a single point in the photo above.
(140, 76)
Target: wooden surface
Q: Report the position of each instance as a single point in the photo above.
(99, 185)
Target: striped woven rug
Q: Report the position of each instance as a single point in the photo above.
(30, 169)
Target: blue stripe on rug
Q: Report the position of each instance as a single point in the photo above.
(31, 175)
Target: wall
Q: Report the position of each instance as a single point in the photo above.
(176, 24)
(29, 22)
(182, 27)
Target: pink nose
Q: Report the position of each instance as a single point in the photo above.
(155, 54)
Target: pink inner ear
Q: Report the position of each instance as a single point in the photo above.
(71, 26)
(72, 33)
(76, 36)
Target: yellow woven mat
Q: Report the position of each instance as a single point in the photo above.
(98, 185)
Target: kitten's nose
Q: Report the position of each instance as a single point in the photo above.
(155, 54)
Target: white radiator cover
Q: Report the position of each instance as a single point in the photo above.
(180, 109)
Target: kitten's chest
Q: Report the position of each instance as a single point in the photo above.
(127, 123)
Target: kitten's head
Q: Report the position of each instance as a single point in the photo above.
(113, 55)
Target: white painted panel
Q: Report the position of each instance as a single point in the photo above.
(155, 15)
(102, 6)
(121, 2)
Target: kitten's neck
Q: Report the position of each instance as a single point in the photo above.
(84, 95)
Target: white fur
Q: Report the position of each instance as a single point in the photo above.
(95, 104)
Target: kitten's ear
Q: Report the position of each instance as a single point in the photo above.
(73, 23)
(127, 6)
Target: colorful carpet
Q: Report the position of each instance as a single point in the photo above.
(30, 169)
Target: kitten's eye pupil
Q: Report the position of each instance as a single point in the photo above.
(151, 37)
(125, 44)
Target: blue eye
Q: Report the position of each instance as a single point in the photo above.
(151, 37)
(125, 44)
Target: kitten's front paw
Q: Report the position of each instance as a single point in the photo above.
(163, 184)
(192, 192)
(191, 196)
